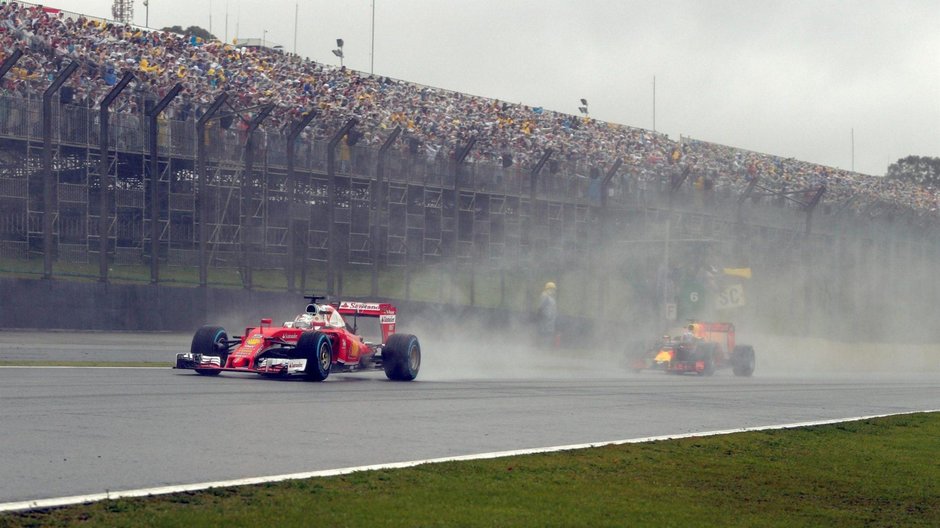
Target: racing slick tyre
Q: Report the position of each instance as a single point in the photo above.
(401, 357)
(317, 349)
(742, 360)
(210, 341)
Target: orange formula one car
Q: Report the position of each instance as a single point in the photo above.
(701, 349)
(325, 338)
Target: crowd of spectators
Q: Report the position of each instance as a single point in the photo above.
(435, 122)
(731, 169)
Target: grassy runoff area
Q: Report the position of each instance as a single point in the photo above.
(879, 472)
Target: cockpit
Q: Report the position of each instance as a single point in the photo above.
(317, 315)
(305, 320)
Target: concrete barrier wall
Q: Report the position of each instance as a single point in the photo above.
(97, 306)
(61, 304)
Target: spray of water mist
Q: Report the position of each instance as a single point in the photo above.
(845, 301)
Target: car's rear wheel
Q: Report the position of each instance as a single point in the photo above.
(708, 352)
(210, 341)
(743, 361)
(401, 357)
(317, 349)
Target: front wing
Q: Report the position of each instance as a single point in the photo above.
(273, 366)
(697, 366)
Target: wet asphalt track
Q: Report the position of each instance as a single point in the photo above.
(75, 431)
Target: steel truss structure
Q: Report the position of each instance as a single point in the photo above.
(386, 208)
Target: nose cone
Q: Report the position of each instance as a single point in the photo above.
(239, 362)
(664, 356)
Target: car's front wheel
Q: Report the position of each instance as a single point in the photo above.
(317, 349)
(210, 341)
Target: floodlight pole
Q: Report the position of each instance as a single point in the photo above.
(49, 183)
(372, 55)
(105, 189)
(155, 181)
(296, 18)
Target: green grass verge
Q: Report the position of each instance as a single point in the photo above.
(57, 363)
(880, 472)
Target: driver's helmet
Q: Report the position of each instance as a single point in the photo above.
(304, 320)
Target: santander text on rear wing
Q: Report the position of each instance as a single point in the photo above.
(384, 311)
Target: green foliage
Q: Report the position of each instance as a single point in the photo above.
(880, 472)
(191, 30)
(921, 170)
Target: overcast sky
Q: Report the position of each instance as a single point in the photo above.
(791, 78)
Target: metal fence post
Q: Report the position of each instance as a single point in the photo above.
(105, 188)
(49, 183)
(378, 206)
(527, 235)
(460, 156)
(603, 274)
(810, 287)
(10, 61)
(204, 187)
(292, 136)
(248, 191)
(154, 182)
(331, 203)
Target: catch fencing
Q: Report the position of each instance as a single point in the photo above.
(204, 205)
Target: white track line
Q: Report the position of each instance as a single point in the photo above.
(163, 490)
(76, 367)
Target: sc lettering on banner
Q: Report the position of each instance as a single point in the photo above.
(730, 297)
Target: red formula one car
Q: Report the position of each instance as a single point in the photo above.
(347, 336)
(701, 349)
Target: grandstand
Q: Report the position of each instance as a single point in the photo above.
(263, 160)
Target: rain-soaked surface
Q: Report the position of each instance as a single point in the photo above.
(77, 431)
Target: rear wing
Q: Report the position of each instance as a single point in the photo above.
(715, 332)
(385, 312)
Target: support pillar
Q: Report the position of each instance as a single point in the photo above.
(49, 183)
(378, 208)
(203, 185)
(105, 186)
(155, 181)
(331, 266)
